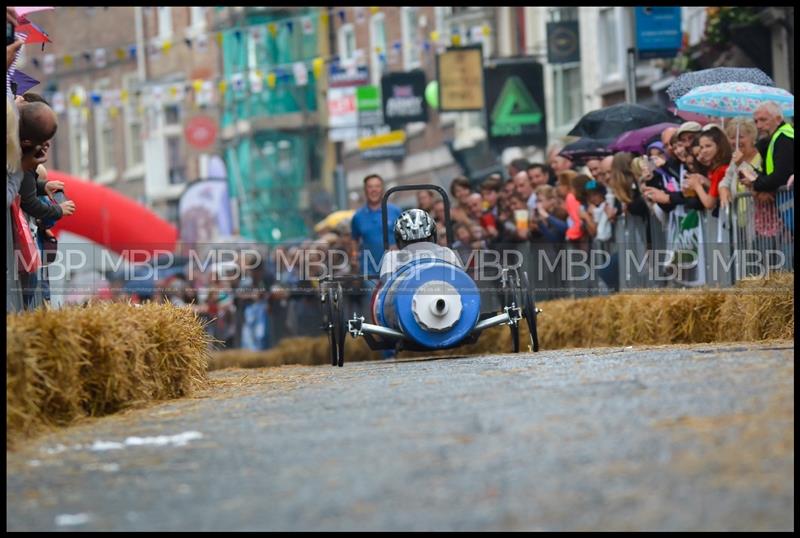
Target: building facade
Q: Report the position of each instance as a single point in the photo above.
(120, 79)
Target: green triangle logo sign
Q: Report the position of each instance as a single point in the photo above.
(514, 109)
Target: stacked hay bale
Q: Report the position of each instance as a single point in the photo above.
(301, 350)
(754, 310)
(90, 361)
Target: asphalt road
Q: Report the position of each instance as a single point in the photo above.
(676, 438)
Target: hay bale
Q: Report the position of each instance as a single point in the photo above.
(762, 309)
(90, 361)
(303, 350)
(643, 317)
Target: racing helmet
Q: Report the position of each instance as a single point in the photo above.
(413, 226)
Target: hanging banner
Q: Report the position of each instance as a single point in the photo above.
(404, 98)
(391, 145)
(658, 32)
(342, 107)
(368, 106)
(515, 105)
(563, 42)
(344, 78)
(204, 212)
(460, 74)
(342, 112)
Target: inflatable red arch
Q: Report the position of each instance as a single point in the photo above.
(113, 220)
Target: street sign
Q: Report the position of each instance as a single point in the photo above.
(201, 132)
(563, 42)
(658, 32)
(404, 98)
(515, 105)
(460, 74)
(391, 145)
(368, 106)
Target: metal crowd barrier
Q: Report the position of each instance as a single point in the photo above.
(751, 237)
(762, 232)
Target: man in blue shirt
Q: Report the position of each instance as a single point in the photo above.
(366, 226)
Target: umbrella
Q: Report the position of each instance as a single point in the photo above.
(332, 220)
(587, 147)
(22, 82)
(636, 141)
(610, 122)
(732, 99)
(688, 81)
(691, 116)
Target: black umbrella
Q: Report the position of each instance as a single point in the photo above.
(707, 77)
(586, 148)
(610, 122)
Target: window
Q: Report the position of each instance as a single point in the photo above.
(377, 36)
(177, 168)
(441, 13)
(558, 14)
(197, 16)
(410, 34)
(610, 55)
(172, 115)
(134, 147)
(171, 212)
(104, 136)
(347, 43)
(567, 90)
(164, 22)
(78, 139)
(567, 87)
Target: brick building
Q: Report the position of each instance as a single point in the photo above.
(110, 67)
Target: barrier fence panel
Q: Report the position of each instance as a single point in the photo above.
(762, 229)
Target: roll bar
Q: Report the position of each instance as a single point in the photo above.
(384, 212)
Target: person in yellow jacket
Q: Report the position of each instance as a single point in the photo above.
(776, 147)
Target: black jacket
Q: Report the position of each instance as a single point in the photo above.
(29, 190)
(782, 156)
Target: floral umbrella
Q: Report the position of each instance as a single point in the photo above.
(689, 81)
(732, 99)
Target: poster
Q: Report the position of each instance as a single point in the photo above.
(460, 74)
(404, 98)
(515, 105)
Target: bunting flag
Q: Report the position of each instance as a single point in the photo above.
(308, 25)
(256, 81)
(49, 64)
(210, 92)
(300, 73)
(59, 106)
(100, 58)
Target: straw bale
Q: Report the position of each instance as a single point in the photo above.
(80, 361)
(305, 350)
(754, 310)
